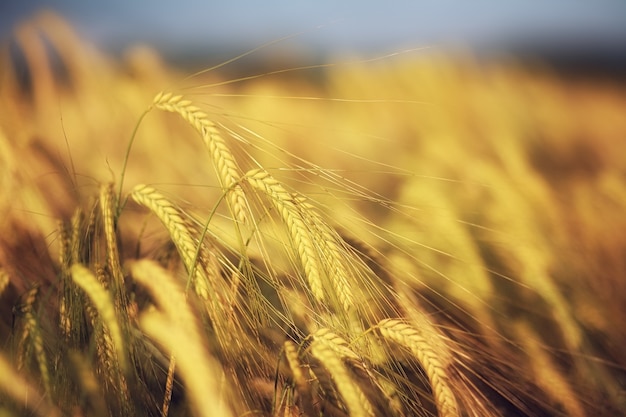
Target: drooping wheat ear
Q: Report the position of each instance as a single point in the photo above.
(4, 280)
(174, 221)
(206, 282)
(175, 328)
(105, 345)
(104, 305)
(333, 255)
(410, 338)
(336, 343)
(300, 233)
(225, 164)
(108, 208)
(17, 388)
(353, 396)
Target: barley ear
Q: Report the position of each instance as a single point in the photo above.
(225, 164)
(300, 233)
(353, 396)
(175, 328)
(410, 338)
(104, 305)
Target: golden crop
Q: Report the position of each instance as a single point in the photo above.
(413, 236)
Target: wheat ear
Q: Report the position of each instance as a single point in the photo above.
(227, 170)
(411, 339)
(104, 305)
(300, 234)
(334, 256)
(174, 221)
(353, 396)
(175, 328)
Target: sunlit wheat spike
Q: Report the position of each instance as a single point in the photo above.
(64, 247)
(68, 253)
(353, 397)
(334, 257)
(411, 339)
(300, 234)
(336, 260)
(175, 328)
(215, 292)
(108, 209)
(103, 303)
(174, 221)
(336, 343)
(225, 164)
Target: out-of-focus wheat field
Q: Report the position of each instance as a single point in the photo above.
(424, 234)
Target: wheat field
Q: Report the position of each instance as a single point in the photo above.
(420, 235)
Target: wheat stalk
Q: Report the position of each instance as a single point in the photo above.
(203, 270)
(334, 256)
(174, 221)
(223, 159)
(410, 338)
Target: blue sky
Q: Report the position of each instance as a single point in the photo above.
(335, 25)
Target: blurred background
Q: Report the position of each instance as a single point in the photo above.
(578, 35)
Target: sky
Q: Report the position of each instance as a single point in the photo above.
(335, 26)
